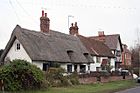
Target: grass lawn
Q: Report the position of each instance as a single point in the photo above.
(90, 88)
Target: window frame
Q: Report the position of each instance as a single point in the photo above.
(69, 68)
(98, 60)
(18, 46)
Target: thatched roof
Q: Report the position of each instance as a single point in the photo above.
(49, 47)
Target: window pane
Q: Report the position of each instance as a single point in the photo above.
(82, 68)
(18, 46)
(45, 66)
(69, 68)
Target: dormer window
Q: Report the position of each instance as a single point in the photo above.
(18, 46)
(70, 53)
(86, 55)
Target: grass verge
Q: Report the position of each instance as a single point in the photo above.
(90, 88)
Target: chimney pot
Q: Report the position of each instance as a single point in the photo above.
(101, 33)
(44, 23)
(75, 24)
(45, 14)
(42, 13)
(72, 24)
(74, 29)
(101, 36)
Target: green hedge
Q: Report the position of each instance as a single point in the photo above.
(21, 75)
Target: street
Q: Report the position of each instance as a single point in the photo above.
(131, 90)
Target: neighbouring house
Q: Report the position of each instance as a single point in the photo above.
(43, 48)
(126, 57)
(101, 53)
(114, 43)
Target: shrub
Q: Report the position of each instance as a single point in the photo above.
(74, 79)
(21, 75)
(104, 73)
(56, 78)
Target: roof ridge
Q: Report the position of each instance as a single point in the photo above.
(105, 35)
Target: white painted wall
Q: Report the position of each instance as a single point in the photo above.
(87, 71)
(64, 66)
(93, 66)
(38, 64)
(112, 63)
(94, 59)
(17, 54)
(119, 48)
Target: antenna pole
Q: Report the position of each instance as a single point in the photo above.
(69, 19)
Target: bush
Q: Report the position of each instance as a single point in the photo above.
(74, 79)
(104, 73)
(21, 75)
(56, 78)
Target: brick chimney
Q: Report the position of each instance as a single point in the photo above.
(74, 29)
(44, 23)
(101, 36)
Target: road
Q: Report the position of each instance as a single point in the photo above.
(131, 90)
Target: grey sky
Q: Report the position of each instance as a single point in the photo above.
(112, 16)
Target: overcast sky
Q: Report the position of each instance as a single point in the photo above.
(111, 16)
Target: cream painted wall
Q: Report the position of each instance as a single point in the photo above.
(13, 53)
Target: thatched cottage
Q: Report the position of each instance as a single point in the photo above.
(72, 51)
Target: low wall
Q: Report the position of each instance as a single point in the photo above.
(88, 80)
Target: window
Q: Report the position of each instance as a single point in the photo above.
(118, 53)
(98, 68)
(98, 59)
(88, 67)
(18, 46)
(87, 56)
(70, 53)
(45, 66)
(82, 68)
(69, 68)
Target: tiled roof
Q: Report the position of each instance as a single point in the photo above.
(95, 47)
(110, 40)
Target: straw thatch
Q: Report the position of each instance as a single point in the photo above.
(53, 46)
